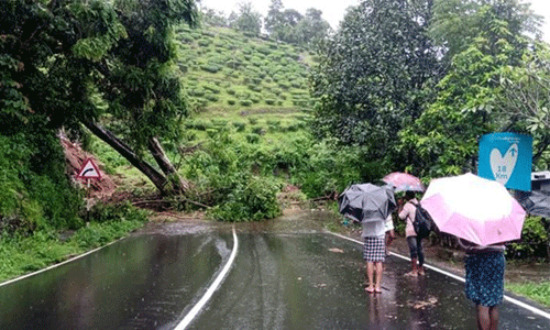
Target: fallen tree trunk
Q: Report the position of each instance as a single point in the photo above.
(125, 151)
(178, 184)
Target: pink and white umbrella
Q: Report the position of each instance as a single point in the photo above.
(475, 209)
(404, 182)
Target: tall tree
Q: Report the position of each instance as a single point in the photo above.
(312, 28)
(248, 20)
(274, 18)
(444, 140)
(524, 104)
(456, 23)
(70, 62)
(213, 17)
(374, 73)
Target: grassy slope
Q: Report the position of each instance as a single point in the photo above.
(257, 86)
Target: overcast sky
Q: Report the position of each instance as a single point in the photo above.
(333, 10)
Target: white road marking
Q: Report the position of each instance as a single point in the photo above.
(213, 287)
(458, 278)
(57, 265)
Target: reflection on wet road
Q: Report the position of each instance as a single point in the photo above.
(141, 282)
(278, 281)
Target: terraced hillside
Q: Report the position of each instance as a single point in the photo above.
(238, 79)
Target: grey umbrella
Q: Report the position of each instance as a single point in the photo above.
(367, 202)
(535, 203)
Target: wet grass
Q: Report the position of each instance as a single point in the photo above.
(539, 292)
(20, 255)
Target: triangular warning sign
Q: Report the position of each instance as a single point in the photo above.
(89, 170)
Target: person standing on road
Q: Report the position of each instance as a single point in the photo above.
(408, 213)
(374, 253)
(484, 281)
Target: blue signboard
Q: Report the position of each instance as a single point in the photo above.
(506, 158)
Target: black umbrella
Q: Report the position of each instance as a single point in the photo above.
(367, 202)
(536, 203)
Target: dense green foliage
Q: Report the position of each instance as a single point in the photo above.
(425, 111)
(534, 240)
(375, 74)
(64, 63)
(35, 192)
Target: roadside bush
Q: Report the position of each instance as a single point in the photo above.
(196, 92)
(245, 103)
(270, 101)
(223, 178)
(239, 126)
(220, 123)
(212, 88)
(330, 170)
(253, 138)
(255, 88)
(534, 240)
(251, 199)
(35, 191)
(103, 212)
(274, 125)
(204, 42)
(212, 68)
(258, 130)
(231, 101)
(212, 98)
(199, 125)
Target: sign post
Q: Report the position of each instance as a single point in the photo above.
(89, 170)
(507, 158)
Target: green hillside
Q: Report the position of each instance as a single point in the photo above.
(246, 137)
(226, 73)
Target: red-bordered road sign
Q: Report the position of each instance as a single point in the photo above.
(89, 170)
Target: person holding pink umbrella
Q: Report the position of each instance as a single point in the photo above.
(483, 215)
(485, 281)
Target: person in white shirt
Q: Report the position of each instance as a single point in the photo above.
(374, 253)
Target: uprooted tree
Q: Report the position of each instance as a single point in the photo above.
(105, 65)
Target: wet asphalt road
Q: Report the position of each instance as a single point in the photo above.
(279, 281)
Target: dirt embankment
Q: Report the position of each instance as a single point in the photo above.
(75, 157)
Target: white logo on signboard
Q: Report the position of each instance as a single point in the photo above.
(503, 167)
